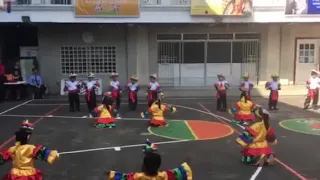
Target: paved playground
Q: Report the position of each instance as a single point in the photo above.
(196, 130)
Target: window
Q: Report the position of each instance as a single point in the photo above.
(237, 52)
(85, 59)
(169, 52)
(306, 53)
(193, 52)
(219, 52)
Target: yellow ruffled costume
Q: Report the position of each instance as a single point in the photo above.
(158, 113)
(255, 141)
(23, 157)
(183, 172)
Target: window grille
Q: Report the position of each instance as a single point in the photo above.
(86, 59)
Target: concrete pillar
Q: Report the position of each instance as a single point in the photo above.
(138, 53)
(270, 52)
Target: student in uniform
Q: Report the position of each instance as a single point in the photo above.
(222, 86)
(246, 85)
(313, 90)
(73, 88)
(115, 90)
(36, 84)
(154, 90)
(91, 99)
(274, 86)
(133, 87)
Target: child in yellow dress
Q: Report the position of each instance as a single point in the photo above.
(157, 111)
(242, 110)
(106, 112)
(256, 139)
(23, 155)
(150, 168)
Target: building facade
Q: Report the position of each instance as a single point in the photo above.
(171, 38)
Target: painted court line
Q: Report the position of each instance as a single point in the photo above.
(15, 107)
(34, 123)
(253, 177)
(256, 173)
(67, 117)
(117, 147)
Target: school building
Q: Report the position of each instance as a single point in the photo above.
(185, 42)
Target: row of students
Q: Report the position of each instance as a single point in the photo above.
(246, 86)
(73, 87)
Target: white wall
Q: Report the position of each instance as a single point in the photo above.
(53, 36)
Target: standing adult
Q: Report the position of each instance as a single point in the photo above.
(36, 84)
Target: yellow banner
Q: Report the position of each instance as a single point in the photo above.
(221, 7)
(112, 8)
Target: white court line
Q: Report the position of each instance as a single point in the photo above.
(256, 173)
(19, 105)
(68, 117)
(116, 147)
(259, 169)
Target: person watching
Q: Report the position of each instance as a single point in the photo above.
(36, 84)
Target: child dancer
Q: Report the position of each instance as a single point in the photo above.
(150, 168)
(153, 90)
(73, 88)
(133, 88)
(274, 86)
(256, 139)
(23, 155)
(313, 90)
(90, 97)
(242, 110)
(246, 85)
(222, 86)
(115, 89)
(157, 111)
(106, 112)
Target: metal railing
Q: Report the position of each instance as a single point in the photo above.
(43, 2)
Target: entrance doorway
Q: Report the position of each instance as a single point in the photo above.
(307, 58)
(16, 36)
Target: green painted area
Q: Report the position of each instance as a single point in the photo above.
(307, 126)
(174, 130)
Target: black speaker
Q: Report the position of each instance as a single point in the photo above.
(25, 19)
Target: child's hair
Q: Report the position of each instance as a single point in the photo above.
(107, 101)
(22, 136)
(151, 163)
(264, 117)
(245, 96)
